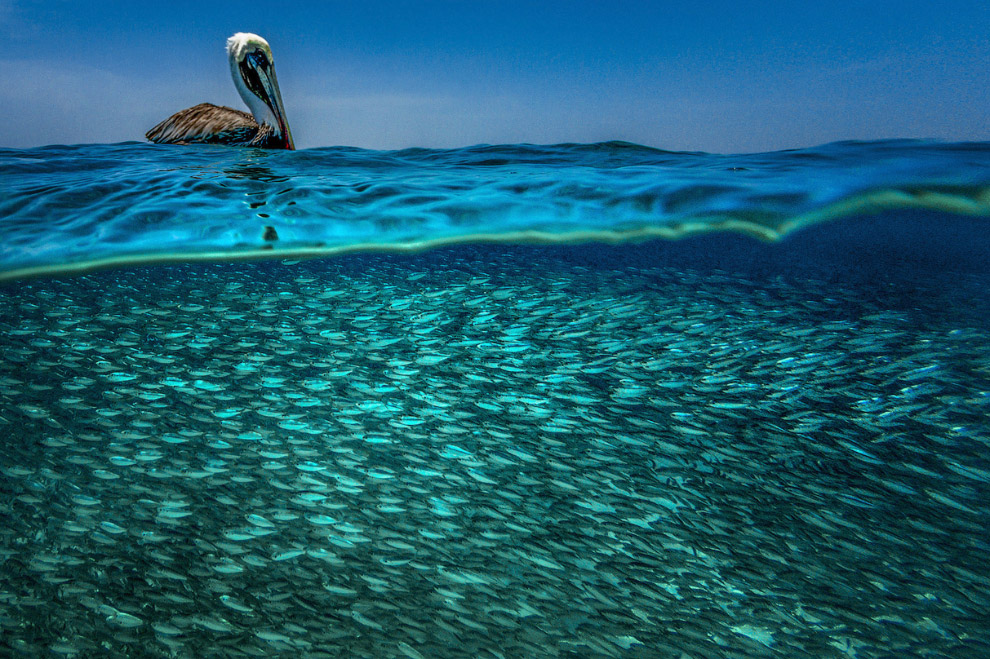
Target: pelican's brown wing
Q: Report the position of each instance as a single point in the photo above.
(206, 123)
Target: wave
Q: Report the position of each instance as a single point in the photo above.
(75, 208)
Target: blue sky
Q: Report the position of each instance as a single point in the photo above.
(716, 76)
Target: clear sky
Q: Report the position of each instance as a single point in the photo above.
(719, 76)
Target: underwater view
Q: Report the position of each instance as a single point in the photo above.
(583, 400)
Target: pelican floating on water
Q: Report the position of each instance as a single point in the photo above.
(253, 70)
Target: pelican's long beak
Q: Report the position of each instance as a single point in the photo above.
(258, 73)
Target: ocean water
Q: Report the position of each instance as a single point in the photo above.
(70, 208)
(503, 401)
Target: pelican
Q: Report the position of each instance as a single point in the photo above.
(253, 70)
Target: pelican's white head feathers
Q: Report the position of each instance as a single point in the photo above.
(242, 42)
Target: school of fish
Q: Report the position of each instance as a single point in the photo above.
(469, 455)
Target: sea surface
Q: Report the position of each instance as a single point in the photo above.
(570, 401)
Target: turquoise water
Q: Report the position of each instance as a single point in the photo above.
(73, 207)
(499, 410)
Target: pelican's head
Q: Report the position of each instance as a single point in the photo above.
(253, 69)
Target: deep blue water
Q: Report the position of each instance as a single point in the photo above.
(72, 206)
(576, 401)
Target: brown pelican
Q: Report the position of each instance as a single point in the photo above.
(253, 69)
